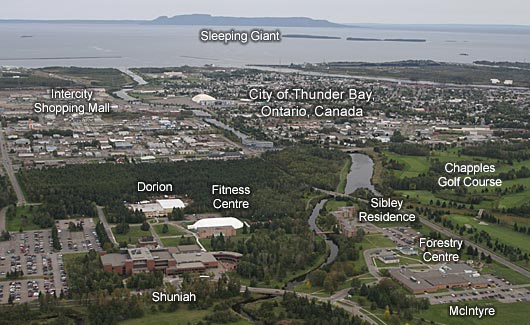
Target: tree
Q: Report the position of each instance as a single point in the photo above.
(387, 313)
(145, 226)
(364, 290)
(55, 239)
(328, 284)
(397, 137)
(165, 228)
(317, 278)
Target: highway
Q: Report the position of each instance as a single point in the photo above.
(10, 172)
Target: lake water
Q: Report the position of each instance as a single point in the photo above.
(111, 45)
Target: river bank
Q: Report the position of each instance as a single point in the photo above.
(359, 176)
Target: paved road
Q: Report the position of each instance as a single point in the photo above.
(369, 263)
(494, 256)
(10, 172)
(337, 299)
(176, 224)
(155, 235)
(103, 219)
(3, 223)
(497, 258)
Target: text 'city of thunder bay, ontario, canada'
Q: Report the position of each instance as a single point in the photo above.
(304, 95)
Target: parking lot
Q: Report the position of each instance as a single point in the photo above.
(402, 236)
(30, 254)
(505, 294)
(78, 241)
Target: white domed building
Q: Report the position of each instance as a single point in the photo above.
(203, 99)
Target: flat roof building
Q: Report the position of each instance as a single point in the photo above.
(445, 276)
(187, 258)
(158, 208)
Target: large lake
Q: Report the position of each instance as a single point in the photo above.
(148, 45)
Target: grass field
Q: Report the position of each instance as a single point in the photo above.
(333, 205)
(343, 175)
(373, 241)
(515, 313)
(95, 77)
(132, 236)
(175, 241)
(508, 274)
(443, 72)
(22, 220)
(504, 234)
(414, 165)
(173, 231)
(515, 199)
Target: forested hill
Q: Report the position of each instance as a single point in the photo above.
(209, 20)
(278, 182)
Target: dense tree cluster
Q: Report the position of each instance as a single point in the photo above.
(56, 243)
(119, 306)
(103, 236)
(72, 226)
(86, 275)
(521, 210)
(7, 196)
(388, 295)
(312, 312)
(176, 215)
(508, 152)
(208, 291)
(121, 214)
(278, 181)
(17, 314)
(409, 149)
(276, 249)
(142, 281)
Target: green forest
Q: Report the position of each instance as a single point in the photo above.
(278, 181)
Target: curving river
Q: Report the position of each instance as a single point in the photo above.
(359, 176)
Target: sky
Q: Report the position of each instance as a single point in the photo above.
(512, 12)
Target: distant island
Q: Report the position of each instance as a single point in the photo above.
(362, 39)
(309, 36)
(209, 20)
(203, 20)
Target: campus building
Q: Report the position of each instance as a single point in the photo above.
(445, 276)
(158, 208)
(213, 227)
(187, 258)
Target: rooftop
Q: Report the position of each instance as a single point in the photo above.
(217, 222)
(140, 253)
(171, 203)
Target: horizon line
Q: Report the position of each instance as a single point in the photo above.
(51, 20)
